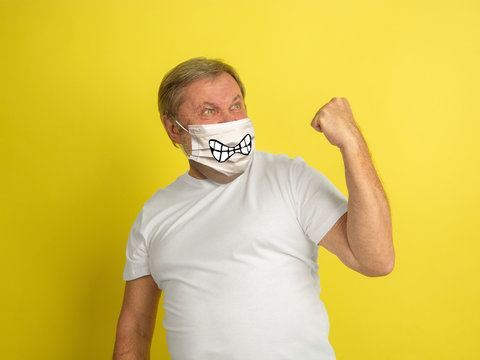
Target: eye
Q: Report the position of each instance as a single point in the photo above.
(208, 111)
(236, 107)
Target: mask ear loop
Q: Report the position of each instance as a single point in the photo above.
(180, 145)
(181, 126)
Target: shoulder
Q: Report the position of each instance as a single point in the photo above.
(281, 164)
(163, 198)
(277, 160)
(282, 172)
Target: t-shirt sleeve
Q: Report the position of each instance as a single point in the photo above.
(137, 255)
(319, 204)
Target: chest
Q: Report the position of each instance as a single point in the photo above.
(226, 232)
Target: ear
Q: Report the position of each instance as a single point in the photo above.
(172, 130)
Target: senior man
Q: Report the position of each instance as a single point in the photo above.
(233, 242)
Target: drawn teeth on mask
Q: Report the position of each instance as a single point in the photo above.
(223, 152)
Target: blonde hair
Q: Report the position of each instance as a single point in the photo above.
(170, 95)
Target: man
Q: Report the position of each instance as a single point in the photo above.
(233, 242)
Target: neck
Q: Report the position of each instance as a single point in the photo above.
(195, 173)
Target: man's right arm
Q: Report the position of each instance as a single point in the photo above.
(137, 319)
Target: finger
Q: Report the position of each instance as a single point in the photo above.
(316, 124)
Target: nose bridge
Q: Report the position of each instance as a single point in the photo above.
(227, 115)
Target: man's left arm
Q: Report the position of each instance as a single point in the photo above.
(361, 238)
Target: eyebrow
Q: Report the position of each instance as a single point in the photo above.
(207, 103)
(235, 98)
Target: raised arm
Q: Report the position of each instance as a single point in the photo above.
(137, 319)
(362, 238)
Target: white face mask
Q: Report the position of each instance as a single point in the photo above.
(222, 151)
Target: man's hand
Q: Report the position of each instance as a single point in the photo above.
(335, 120)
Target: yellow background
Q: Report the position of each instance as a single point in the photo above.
(82, 149)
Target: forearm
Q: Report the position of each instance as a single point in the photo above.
(131, 344)
(369, 227)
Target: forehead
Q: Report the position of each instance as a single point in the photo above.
(218, 89)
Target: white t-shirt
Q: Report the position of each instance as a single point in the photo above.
(237, 262)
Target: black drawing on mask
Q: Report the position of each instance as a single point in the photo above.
(223, 152)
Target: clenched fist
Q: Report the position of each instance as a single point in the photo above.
(335, 120)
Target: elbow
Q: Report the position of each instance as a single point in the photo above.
(380, 268)
(381, 271)
(382, 263)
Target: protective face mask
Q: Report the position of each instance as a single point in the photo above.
(221, 152)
